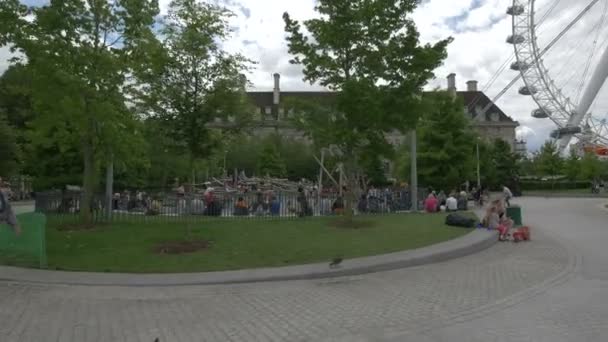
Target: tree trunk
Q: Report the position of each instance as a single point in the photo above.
(88, 186)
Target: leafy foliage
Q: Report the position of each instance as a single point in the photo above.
(548, 160)
(82, 54)
(572, 166)
(9, 150)
(270, 162)
(195, 82)
(368, 51)
(591, 167)
(446, 143)
(505, 164)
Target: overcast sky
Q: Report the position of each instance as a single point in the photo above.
(479, 27)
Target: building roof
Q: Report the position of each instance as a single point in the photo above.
(479, 100)
(473, 100)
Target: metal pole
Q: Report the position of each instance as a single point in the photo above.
(414, 172)
(478, 172)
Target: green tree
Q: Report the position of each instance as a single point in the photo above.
(446, 143)
(527, 166)
(195, 82)
(9, 150)
(82, 54)
(548, 160)
(368, 51)
(505, 163)
(270, 162)
(591, 167)
(572, 166)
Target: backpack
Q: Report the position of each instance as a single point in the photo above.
(459, 221)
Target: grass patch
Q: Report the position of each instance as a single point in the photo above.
(237, 244)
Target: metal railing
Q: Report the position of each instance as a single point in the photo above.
(250, 205)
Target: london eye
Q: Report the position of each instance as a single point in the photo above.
(561, 54)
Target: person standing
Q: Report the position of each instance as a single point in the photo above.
(507, 194)
(7, 215)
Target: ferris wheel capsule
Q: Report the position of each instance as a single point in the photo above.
(515, 39)
(525, 90)
(541, 113)
(520, 66)
(565, 131)
(515, 10)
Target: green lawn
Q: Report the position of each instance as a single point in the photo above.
(128, 247)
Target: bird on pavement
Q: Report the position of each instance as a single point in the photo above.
(335, 263)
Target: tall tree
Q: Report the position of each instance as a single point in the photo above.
(9, 150)
(591, 167)
(369, 52)
(572, 166)
(81, 53)
(270, 162)
(196, 82)
(505, 162)
(447, 143)
(549, 160)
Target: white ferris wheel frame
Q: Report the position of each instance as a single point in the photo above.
(543, 90)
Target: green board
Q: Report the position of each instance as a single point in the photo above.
(27, 249)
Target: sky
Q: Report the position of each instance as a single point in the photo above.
(479, 29)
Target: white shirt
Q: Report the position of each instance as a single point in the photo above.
(507, 193)
(451, 203)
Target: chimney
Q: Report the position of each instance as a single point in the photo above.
(277, 89)
(452, 84)
(472, 86)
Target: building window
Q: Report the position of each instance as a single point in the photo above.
(495, 117)
(268, 110)
(281, 112)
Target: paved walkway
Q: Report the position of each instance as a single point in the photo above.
(554, 288)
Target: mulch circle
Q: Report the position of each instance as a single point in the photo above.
(181, 247)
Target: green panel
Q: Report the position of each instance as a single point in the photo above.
(514, 212)
(28, 249)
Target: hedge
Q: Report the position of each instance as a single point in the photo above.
(558, 185)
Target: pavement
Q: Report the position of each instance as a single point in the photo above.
(554, 288)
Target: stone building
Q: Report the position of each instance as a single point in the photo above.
(273, 116)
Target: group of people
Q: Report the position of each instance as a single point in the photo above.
(440, 202)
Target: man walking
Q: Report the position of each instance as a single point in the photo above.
(507, 194)
(6, 212)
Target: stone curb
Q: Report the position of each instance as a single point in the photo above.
(475, 241)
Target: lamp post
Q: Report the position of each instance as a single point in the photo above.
(225, 153)
(414, 172)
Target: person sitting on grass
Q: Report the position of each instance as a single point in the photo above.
(451, 204)
(275, 206)
(7, 215)
(338, 206)
(241, 208)
(430, 203)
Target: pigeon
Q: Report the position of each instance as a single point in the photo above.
(335, 263)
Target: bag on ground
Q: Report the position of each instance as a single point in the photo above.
(458, 220)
